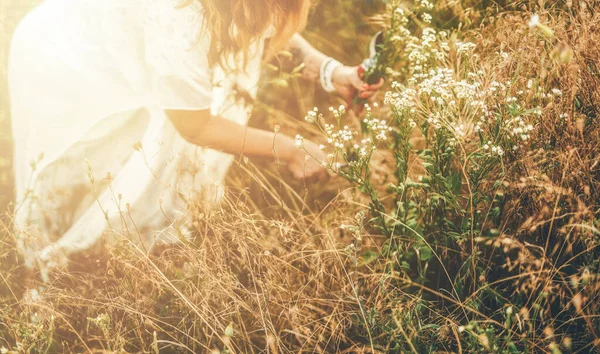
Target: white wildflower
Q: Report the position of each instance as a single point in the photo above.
(311, 117)
(534, 21)
(427, 18)
(299, 141)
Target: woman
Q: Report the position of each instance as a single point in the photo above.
(143, 92)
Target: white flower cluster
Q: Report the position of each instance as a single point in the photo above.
(313, 116)
(299, 141)
(365, 148)
(443, 89)
(459, 131)
(424, 4)
(338, 113)
(379, 128)
(434, 120)
(428, 37)
(427, 18)
(519, 128)
(402, 33)
(465, 47)
(341, 138)
(494, 149)
(534, 21)
(402, 100)
(457, 102)
(496, 86)
(343, 147)
(422, 52)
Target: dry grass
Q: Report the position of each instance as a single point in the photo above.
(269, 270)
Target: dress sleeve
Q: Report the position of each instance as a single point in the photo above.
(177, 55)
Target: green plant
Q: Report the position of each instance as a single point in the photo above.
(454, 132)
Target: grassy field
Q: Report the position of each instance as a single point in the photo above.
(465, 218)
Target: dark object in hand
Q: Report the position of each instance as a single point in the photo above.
(373, 71)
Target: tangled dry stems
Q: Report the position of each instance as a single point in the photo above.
(270, 271)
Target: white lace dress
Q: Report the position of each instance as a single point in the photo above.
(89, 82)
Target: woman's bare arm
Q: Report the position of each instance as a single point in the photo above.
(203, 129)
(347, 80)
(306, 54)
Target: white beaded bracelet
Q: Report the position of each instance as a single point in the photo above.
(326, 73)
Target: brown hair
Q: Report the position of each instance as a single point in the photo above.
(235, 24)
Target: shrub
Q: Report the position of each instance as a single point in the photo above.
(486, 219)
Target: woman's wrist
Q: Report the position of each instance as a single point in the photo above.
(284, 147)
(326, 73)
(337, 77)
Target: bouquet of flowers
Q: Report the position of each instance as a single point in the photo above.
(385, 48)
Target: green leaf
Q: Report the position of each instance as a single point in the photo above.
(428, 166)
(229, 330)
(456, 182)
(425, 253)
(405, 265)
(368, 257)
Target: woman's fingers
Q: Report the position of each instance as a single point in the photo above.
(366, 94)
(361, 72)
(355, 78)
(306, 163)
(358, 83)
(365, 90)
(376, 86)
(372, 88)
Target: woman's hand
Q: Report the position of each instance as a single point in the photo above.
(347, 80)
(349, 83)
(306, 162)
